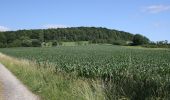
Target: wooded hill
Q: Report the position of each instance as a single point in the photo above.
(28, 38)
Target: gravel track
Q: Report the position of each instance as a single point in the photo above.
(13, 89)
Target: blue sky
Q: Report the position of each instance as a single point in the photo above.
(148, 17)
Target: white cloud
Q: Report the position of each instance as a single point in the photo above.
(156, 8)
(54, 26)
(3, 28)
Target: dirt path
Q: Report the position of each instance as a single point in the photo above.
(13, 89)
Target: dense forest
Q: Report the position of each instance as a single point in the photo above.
(29, 38)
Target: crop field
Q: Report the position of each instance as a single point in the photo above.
(133, 73)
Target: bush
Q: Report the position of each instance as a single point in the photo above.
(1, 45)
(79, 43)
(158, 44)
(119, 42)
(56, 43)
(16, 43)
(140, 40)
(99, 41)
(48, 44)
(26, 43)
(36, 43)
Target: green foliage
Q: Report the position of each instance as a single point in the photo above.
(26, 43)
(73, 34)
(2, 38)
(140, 40)
(78, 43)
(16, 43)
(158, 44)
(51, 85)
(119, 42)
(2, 45)
(36, 43)
(55, 43)
(48, 44)
(135, 74)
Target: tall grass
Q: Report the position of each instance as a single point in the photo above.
(52, 85)
(1, 93)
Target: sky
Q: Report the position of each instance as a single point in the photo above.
(150, 18)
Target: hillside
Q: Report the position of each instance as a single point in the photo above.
(24, 38)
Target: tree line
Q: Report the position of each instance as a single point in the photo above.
(158, 44)
(34, 38)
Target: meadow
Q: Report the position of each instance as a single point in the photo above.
(122, 72)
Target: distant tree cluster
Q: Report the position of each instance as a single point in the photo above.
(34, 38)
(140, 40)
(158, 44)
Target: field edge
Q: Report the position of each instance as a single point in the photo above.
(69, 87)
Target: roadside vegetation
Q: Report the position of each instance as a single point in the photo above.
(1, 96)
(92, 72)
(52, 85)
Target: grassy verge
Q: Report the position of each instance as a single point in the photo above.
(145, 48)
(52, 85)
(1, 97)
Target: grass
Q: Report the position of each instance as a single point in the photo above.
(51, 85)
(93, 72)
(75, 43)
(1, 96)
(140, 47)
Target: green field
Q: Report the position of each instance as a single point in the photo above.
(134, 73)
(74, 43)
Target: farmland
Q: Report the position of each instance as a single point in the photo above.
(132, 73)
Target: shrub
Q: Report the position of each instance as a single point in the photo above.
(1, 45)
(16, 43)
(48, 44)
(119, 42)
(140, 40)
(26, 43)
(36, 43)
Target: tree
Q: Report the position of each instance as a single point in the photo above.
(26, 41)
(140, 39)
(10, 36)
(2, 45)
(36, 43)
(41, 35)
(2, 38)
(15, 43)
(95, 34)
